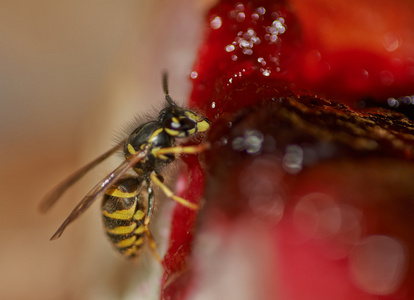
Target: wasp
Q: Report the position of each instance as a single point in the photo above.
(149, 148)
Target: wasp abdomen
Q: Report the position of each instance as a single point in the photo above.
(124, 215)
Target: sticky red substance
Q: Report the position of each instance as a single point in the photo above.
(252, 43)
(256, 53)
(175, 262)
(263, 45)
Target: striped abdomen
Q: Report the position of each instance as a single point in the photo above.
(123, 216)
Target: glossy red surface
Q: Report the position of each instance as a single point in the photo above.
(263, 45)
(295, 187)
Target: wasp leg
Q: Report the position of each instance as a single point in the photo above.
(177, 150)
(182, 149)
(152, 244)
(150, 202)
(170, 194)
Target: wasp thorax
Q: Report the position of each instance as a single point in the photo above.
(181, 122)
(149, 133)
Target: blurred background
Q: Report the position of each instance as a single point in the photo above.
(71, 75)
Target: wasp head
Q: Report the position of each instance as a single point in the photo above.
(180, 122)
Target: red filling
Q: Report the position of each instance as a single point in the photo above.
(256, 76)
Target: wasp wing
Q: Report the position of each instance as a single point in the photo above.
(101, 188)
(51, 198)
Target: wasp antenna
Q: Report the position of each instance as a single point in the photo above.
(165, 82)
(165, 88)
(170, 100)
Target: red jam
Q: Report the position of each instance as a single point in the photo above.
(263, 45)
(306, 191)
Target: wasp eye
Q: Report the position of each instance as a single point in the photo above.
(175, 125)
(187, 124)
(180, 126)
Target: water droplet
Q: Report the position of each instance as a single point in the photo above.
(223, 141)
(308, 214)
(230, 48)
(194, 75)
(392, 102)
(336, 226)
(292, 161)
(254, 140)
(265, 72)
(251, 142)
(407, 99)
(259, 184)
(238, 143)
(391, 42)
(261, 10)
(239, 7)
(216, 23)
(248, 51)
(240, 17)
(243, 43)
(378, 264)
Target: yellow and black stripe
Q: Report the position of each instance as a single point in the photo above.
(124, 213)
